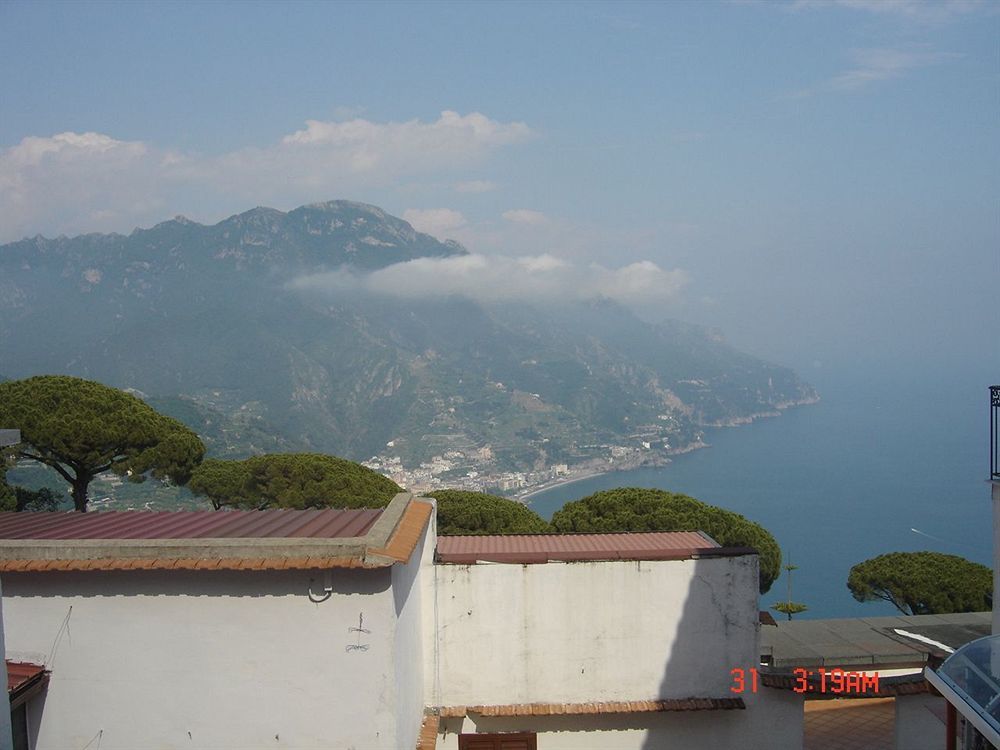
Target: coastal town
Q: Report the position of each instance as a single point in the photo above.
(477, 471)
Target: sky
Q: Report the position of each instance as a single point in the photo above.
(818, 179)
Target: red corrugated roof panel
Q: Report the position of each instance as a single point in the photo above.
(213, 540)
(325, 523)
(540, 548)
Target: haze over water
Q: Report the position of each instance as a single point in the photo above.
(844, 480)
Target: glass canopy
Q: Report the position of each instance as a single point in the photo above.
(970, 680)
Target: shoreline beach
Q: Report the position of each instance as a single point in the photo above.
(538, 489)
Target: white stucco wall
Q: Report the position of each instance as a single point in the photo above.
(410, 638)
(592, 631)
(184, 659)
(6, 739)
(601, 631)
(918, 722)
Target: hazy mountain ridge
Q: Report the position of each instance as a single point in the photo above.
(204, 315)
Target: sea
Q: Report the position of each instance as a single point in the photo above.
(883, 463)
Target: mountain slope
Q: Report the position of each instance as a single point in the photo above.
(204, 319)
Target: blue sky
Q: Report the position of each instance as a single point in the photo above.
(819, 179)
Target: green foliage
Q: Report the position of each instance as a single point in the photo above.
(292, 480)
(43, 499)
(790, 608)
(638, 509)
(923, 583)
(234, 432)
(8, 501)
(460, 512)
(81, 428)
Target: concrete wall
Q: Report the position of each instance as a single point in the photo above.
(185, 659)
(600, 631)
(6, 739)
(918, 722)
(410, 638)
(592, 631)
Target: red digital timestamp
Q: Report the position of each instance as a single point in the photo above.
(833, 681)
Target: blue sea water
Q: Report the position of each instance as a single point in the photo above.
(882, 464)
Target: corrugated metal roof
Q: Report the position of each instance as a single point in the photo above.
(325, 523)
(868, 642)
(540, 548)
(213, 540)
(597, 707)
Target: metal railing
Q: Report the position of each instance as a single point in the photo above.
(995, 433)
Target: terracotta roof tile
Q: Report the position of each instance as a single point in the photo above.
(408, 532)
(427, 739)
(105, 564)
(597, 708)
(904, 684)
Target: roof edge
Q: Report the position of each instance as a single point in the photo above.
(814, 687)
(529, 558)
(649, 705)
(391, 539)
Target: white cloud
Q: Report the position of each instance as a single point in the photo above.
(475, 186)
(86, 181)
(525, 216)
(32, 150)
(497, 278)
(451, 132)
(924, 11)
(872, 65)
(434, 221)
(76, 182)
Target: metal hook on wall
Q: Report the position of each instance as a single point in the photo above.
(327, 588)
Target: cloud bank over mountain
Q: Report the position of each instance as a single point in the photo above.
(498, 278)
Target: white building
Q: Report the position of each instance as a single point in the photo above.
(266, 629)
(599, 641)
(340, 629)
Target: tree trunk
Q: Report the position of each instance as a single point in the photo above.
(80, 492)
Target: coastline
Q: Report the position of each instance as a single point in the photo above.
(779, 409)
(552, 484)
(538, 489)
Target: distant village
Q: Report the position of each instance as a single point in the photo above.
(476, 470)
